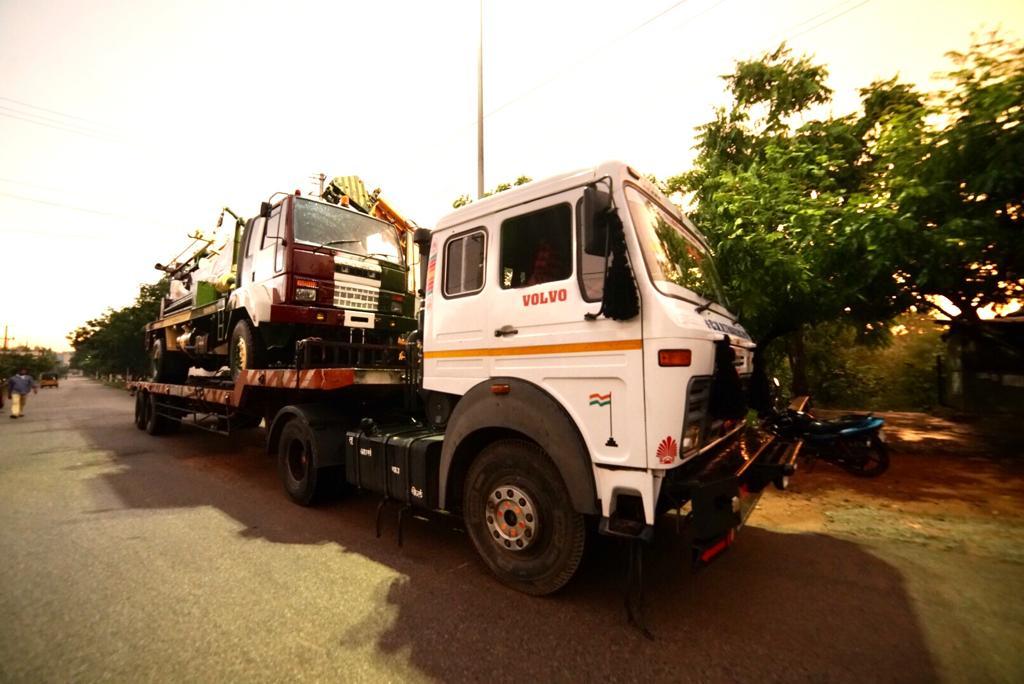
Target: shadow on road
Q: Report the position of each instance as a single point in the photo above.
(789, 606)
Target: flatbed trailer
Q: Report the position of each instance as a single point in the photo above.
(221, 405)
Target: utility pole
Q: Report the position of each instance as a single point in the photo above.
(6, 337)
(480, 110)
(320, 178)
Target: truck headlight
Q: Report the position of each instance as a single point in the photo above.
(697, 400)
(691, 436)
(305, 294)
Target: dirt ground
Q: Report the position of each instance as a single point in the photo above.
(949, 516)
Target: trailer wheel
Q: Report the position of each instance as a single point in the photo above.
(157, 424)
(166, 366)
(520, 518)
(141, 405)
(297, 463)
(246, 350)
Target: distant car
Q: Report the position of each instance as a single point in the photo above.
(48, 380)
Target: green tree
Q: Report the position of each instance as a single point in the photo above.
(36, 361)
(788, 203)
(463, 200)
(113, 343)
(954, 167)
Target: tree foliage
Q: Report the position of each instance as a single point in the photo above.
(36, 361)
(857, 218)
(789, 208)
(954, 168)
(463, 200)
(113, 343)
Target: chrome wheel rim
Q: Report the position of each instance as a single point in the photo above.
(241, 355)
(511, 518)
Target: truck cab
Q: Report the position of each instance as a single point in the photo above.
(517, 298)
(303, 268)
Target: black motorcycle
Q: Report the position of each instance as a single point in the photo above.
(855, 443)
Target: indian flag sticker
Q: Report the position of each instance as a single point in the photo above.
(602, 400)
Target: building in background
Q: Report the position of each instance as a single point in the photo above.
(984, 366)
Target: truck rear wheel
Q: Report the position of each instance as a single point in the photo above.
(246, 350)
(166, 366)
(141, 406)
(297, 463)
(520, 518)
(157, 424)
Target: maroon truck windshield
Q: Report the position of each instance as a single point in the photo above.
(317, 223)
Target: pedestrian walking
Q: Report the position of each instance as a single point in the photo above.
(18, 387)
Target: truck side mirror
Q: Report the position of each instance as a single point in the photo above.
(595, 231)
(422, 237)
(621, 301)
(265, 209)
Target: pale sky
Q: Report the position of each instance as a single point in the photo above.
(125, 124)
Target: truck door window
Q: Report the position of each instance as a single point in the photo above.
(536, 247)
(254, 235)
(464, 258)
(273, 228)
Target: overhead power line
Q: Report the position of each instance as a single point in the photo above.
(557, 73)
(91, 134)
(28, 184)
(86, 210)
(50, 119)
(827, 20)
(61, 205)
(54, 111)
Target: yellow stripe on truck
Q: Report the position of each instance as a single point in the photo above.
(574, 348)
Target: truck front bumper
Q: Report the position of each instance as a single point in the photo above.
(717, 500)
(715, 495)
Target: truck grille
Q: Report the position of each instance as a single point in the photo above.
(348, 296)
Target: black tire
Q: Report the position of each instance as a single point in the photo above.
(166, 366)
(157, 424)
(866, 460)
(297, 463)
(246, 350)
(520, 518)
(141, 406)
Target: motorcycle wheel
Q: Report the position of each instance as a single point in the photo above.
(865, 460)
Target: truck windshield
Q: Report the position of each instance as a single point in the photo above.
(317, 223)
(675, 257)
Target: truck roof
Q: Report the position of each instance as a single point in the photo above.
(547, 186)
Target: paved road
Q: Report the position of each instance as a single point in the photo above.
(127, 557)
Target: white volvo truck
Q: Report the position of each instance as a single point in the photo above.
(574, 359)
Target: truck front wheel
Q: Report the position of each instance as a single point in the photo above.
(520, 518)
(246, 349)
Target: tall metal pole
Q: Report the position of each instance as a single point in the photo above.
(480, 110)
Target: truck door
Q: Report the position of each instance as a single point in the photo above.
(544, 285)
(250, 245)
(266, 244)
(458, 283)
